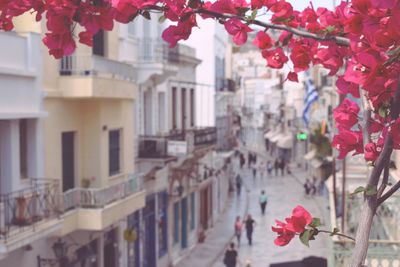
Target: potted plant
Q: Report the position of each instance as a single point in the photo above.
(86, 182)
(21, 216)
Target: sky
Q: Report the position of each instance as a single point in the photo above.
(301, 4)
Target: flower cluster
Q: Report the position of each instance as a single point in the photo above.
(296, 224)
(363, 33)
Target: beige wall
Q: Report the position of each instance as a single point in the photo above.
(91, 121)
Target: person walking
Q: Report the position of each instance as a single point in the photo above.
(282, 166)
(231, 256)
(263, 201)
(254, 169)
(238, 184)
(249, 160)
(242, 160)
(238, 229)
(276, 166)
(269, 168)
(261, 169)
(250, 223)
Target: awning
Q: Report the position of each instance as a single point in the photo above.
(276, 137)
(286, 142)
(311, 154)
(269, 134)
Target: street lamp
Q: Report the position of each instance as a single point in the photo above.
(60, 250)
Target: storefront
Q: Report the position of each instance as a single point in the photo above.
(133, 245)
(149, 242)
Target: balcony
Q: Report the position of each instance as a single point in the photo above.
(158, 61)
(84, 76)
(29, 214)
(94, 209)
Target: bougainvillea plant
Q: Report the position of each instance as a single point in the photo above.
(300, 223)
(358, 42)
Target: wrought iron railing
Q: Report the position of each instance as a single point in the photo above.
(25, 209)
(100, 197)
(205, 136)
(93, 65)
(154, 50)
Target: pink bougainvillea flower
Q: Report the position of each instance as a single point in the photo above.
(346, 115)
(299, 220)
(181, 31)
(292, 76)
(238, 30)
(300, 57)
(275, 58)
(371, 151)
(295, 224)
(345, 87)
(262, 40)
(284, 235)
(347, 141)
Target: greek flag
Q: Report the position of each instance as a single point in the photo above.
(310, 98)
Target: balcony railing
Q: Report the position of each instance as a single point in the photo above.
(156, 146)
(156, 51)
(25, 209)
(100, 197)
(205, 136)
(93, 65)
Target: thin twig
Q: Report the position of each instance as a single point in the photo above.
(343, 41)
(385, 179)
(389, 193)
(338, 234)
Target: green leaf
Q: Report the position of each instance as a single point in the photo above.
(253, 15)
(334, 231)
(315, 223)
(305, 237)
(146, 14)
(371, 190)
(162, 19)
(383, 111)
(358, 190)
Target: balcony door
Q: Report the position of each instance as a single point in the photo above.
(68, 160)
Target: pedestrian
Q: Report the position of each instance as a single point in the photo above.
(231, 256)
(238, 184)
(269, 168)
(261, 169)
(238, 229)
(249, 160)
(276, 166)
(282, 166)
(307, 187)
(255, 158)
(263, 201)
(242, 160)
(249, 222)
(254, 169)
(313, 188)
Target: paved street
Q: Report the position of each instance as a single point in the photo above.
(284, 194)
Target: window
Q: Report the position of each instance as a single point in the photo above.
(162, 224)
(114, 152)
(192, 107)
(176, 223)
(131, 29)
(99, 43)
(23, 148)
(174, 108)
(192, 211)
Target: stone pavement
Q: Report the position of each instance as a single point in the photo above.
(205, 254)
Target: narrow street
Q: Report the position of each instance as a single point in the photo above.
(284, 193)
